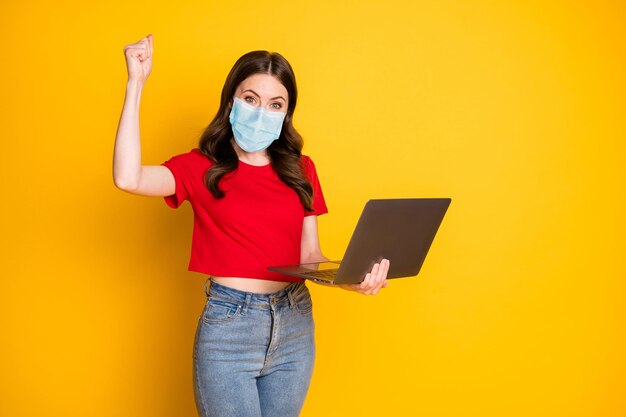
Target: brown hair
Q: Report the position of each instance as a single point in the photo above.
(284, 152)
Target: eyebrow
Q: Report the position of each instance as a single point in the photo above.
(273, 98)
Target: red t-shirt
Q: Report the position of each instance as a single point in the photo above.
(257, 224)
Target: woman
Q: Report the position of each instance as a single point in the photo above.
(255, 199)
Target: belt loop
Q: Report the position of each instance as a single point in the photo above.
(246, 303)
(207, 291)
(290, 295)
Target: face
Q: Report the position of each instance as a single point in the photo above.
(263, 90)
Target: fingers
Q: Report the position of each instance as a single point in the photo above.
(366, 284)
(146, 44)
(150, 43)
(374, 280)
(381, 276)
(141, 50)
(138, 51)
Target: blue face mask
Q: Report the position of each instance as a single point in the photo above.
(254, 128)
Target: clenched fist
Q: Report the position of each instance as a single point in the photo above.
(139, 59)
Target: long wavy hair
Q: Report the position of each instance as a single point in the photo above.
(284, 152)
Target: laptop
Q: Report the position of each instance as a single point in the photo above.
(401, 230)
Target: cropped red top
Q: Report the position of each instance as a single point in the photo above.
(257, 224)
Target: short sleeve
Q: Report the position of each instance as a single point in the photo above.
(184, 167)
(319, 204)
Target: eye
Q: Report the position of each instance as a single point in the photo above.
(276, 106)
(249, 99)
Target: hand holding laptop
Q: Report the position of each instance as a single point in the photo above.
(373, 282)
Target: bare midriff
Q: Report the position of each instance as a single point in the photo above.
(251, 284)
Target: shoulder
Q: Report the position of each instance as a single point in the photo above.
(196, 155)
(307, 162)
(308, 166)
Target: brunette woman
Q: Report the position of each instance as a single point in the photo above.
(255, 199)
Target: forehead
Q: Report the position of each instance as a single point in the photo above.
(266, 85)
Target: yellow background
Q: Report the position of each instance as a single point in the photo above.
(513, 109)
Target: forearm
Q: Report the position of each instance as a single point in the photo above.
(319, 257)
(127, 150)
(342, 286)
(313, 257)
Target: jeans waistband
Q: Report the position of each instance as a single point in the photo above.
(285, 296)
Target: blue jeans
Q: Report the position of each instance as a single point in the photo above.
(253, 353)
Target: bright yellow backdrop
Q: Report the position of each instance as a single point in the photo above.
(513, 109)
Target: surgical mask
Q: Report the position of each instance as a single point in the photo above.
(254, 128)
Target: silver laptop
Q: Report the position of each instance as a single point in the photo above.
(400, 230)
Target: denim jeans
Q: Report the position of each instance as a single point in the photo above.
(253, 353)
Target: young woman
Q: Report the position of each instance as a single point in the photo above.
(255, 199)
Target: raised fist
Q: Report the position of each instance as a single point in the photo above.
(139, 59)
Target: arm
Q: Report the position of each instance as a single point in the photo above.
(128, 172)
(311, 252)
